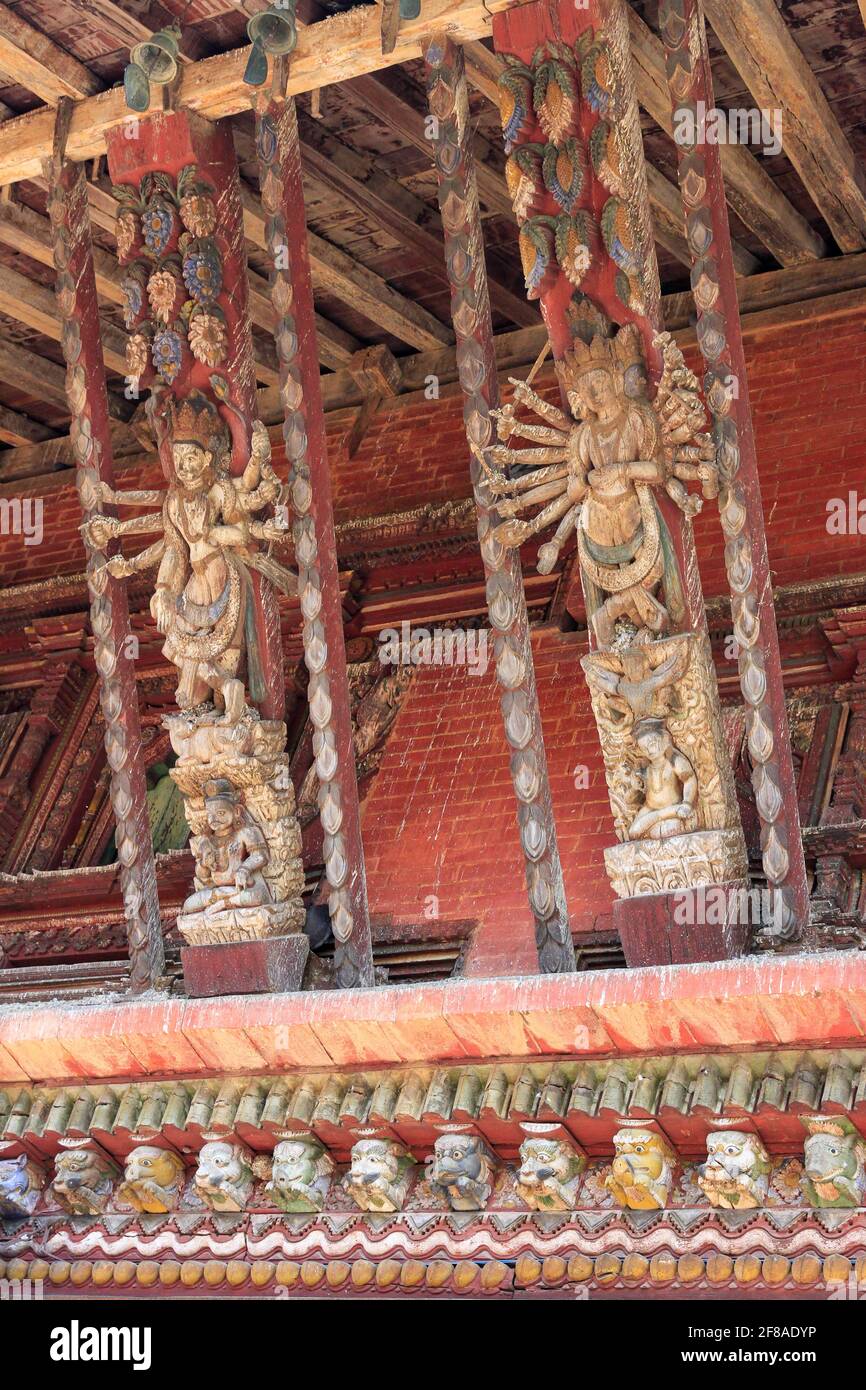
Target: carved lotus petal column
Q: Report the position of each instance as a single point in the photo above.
(727, 392)
(109, 613)
(315, 544)
(506, 603)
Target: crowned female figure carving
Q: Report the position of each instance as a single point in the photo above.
(201, 601)
(594, 470)
(599, 469)
(214, 527)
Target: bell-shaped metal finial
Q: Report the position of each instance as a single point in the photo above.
(271, 31)
(153, 60)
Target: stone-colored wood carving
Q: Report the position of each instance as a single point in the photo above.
(180, 240)
(652, 682)
(21, 1184)
(84, 1178)
(643, 1169)
(736, 1174)
(462, 1169)
(550, 1169)
(153, 1179)
(380, 1174)
(834, 1172)
(246, 840)
(301, 1174)
(224, 1178)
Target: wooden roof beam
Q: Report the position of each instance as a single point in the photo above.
(342, 170)
(17, 429)
(353, 284)
(333, 50)
(751, 193)
(39, 64)
(764, 52)
(410, 124)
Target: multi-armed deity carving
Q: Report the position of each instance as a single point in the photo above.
(180, 239)
(595, 470)
(609, 469)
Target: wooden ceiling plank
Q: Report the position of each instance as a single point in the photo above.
(355, 178)
(353, 284)
(39, 64)
(764, 51)
(36, 306)
(758, 202)
(409, 124)
(35, 376)
(333, 50)
(16, 428)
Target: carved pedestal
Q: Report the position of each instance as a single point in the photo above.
(671, 928)
(673, 800)
(272, 966)
(240, 805)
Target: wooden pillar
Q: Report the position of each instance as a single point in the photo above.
(109, 613)
(315, 543)
(613, 466)
(476, 359)
(727, 392)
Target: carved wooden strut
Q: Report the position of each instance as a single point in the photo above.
(470, 310)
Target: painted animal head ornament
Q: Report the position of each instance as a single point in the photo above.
(549, 1173)
(642, 1171)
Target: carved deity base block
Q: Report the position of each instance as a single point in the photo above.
(246, 840)
(273, 966)
(680, 862)
(666, 928)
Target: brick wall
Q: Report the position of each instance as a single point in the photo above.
(440, 830)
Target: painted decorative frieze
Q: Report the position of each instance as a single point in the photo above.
(301, 1175)
(379, 1175)
(550, 1169)
(462, 1169)
(643, 1169)
(736, 1175)
(834, 1172)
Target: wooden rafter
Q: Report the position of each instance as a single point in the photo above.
(390, 107)
(334, 50)
(36, 306)
(20, 429)
(37, 63)
(758, 202)
(764, 52)
(355, 178)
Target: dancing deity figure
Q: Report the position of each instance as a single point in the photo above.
(202, 603)
(595, 473)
